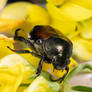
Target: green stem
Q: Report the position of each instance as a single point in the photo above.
(77, 70)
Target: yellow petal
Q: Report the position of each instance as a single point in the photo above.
(11, 67)
(14, 18)
(8, 24)
(13, 13)
(60, 21)
(10, 78)
(75, 12)
(34, 17)
(25, 16)
(38, 85)
(21, 89)
(83, 3)
(15, 59)
(86, 29)
(12, 60)
(24, 11)
(82, 49)
(56, 2)
(37, 15)
(4, 42)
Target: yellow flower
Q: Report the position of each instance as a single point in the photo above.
(38, 85)
(10, 77)
(66, 16)
(75, 12)
(41, 84)
(86, 29)
(83, 3)
(9, 24)
(73, 18)
(25, 16)
(82, 48)
(56, 2)
(9, 80)
(14, 69)
(60, 21)
(4, 42)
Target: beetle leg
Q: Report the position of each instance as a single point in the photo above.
(24, 51)
(67, 70)
(62, 78)
(39, 67)
(20, 38)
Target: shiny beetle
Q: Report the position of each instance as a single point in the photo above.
(50, 45)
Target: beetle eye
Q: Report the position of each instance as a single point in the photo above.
(39, 41)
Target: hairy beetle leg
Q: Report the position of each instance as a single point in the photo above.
(62, 78)
(20, 38)
(16, 37)
(24, 52)
(39, 67)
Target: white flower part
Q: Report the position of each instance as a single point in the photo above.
(2, 4)
(13, 59)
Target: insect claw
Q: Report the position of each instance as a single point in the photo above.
(9, 48)
(51, 78)
(37, 74)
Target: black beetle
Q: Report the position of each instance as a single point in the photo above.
(50, 45)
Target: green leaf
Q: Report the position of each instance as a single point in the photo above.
(82, 88)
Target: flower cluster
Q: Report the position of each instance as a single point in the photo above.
(72, 18)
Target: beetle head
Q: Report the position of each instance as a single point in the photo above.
(59, 51)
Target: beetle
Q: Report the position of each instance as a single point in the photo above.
(50, 45)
